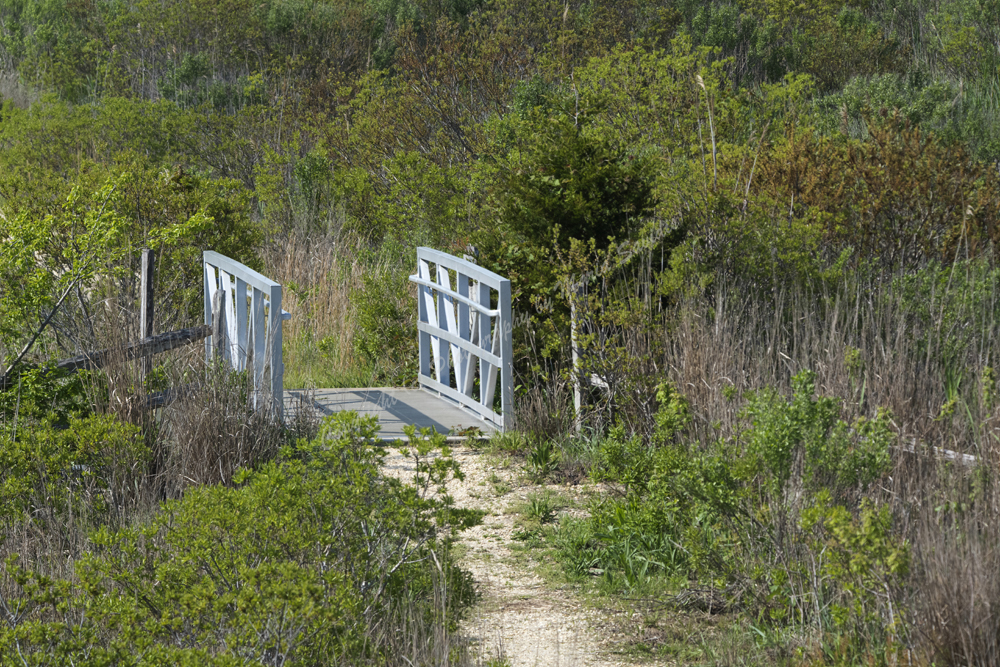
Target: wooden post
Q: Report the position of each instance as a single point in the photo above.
(220, 327)
(146, 304)
(274, 318)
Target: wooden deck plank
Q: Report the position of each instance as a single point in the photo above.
(394, 406)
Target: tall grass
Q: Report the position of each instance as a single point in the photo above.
(919, 345)
(954, 593)
(322, 277)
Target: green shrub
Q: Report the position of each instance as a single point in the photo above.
(44, 393)
(576, 184)
(751, 514)
(926, 102)
(298, 565)
(863, 560)
(542, 459)
(835, 455)
(625, 460)
(46, 467)
(386, 319)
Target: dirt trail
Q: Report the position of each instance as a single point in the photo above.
(533, 624)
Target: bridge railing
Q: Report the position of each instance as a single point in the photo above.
(465, 335)
(247, 334)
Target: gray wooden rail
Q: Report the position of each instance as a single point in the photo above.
(463, 337)
(140, 348)
(242, 328)
(132, 350)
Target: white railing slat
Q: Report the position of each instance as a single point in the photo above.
(491, 373)
(274, 321)
(444, 303)
(457, 296)
(259, 348)
(252, 317)
(430, 310)
(242, 328)
(466, 377)
(506, 352)
(464, 345)
(451, 322)
(232, 353)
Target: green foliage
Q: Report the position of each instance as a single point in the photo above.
(43, 260)
(41, 393)
(899, 197)
(51, 468)
(917, 98)
(542, 459)
(835, 455)
(947, 310)
(386, 335)
(949, 306)
(863, 556)
(573, 183)
(298, 562)
(673, 413)
(720, 513)
(625, 460)
(540, 508)
(100, 207)
(536, 516)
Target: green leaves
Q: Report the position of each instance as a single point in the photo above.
(42, 261)
(51, 469)
(835, 455)
(575, 184)
(298, 561)
(386, 328)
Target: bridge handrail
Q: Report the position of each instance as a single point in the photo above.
(250, 326)
(454, 295)
(458, 328)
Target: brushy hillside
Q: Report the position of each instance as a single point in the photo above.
(775, 220)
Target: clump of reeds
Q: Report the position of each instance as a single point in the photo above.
(953, 599)
(872, 345)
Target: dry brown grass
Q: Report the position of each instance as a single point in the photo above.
(954, 598)
(927, 360)
(863, 345)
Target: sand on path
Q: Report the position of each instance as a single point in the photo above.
(530, 623)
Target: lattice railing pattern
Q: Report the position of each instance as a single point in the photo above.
(247, 334)
(465, 335)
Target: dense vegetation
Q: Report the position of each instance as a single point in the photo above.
(776, 220)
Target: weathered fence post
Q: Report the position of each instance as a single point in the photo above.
(146, 304)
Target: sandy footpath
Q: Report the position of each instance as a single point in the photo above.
(532, 624)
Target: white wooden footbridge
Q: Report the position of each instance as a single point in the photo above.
(465, 381)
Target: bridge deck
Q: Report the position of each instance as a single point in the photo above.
(395, 408)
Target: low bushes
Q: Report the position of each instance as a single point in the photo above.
(787, 475)
(313, 557)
